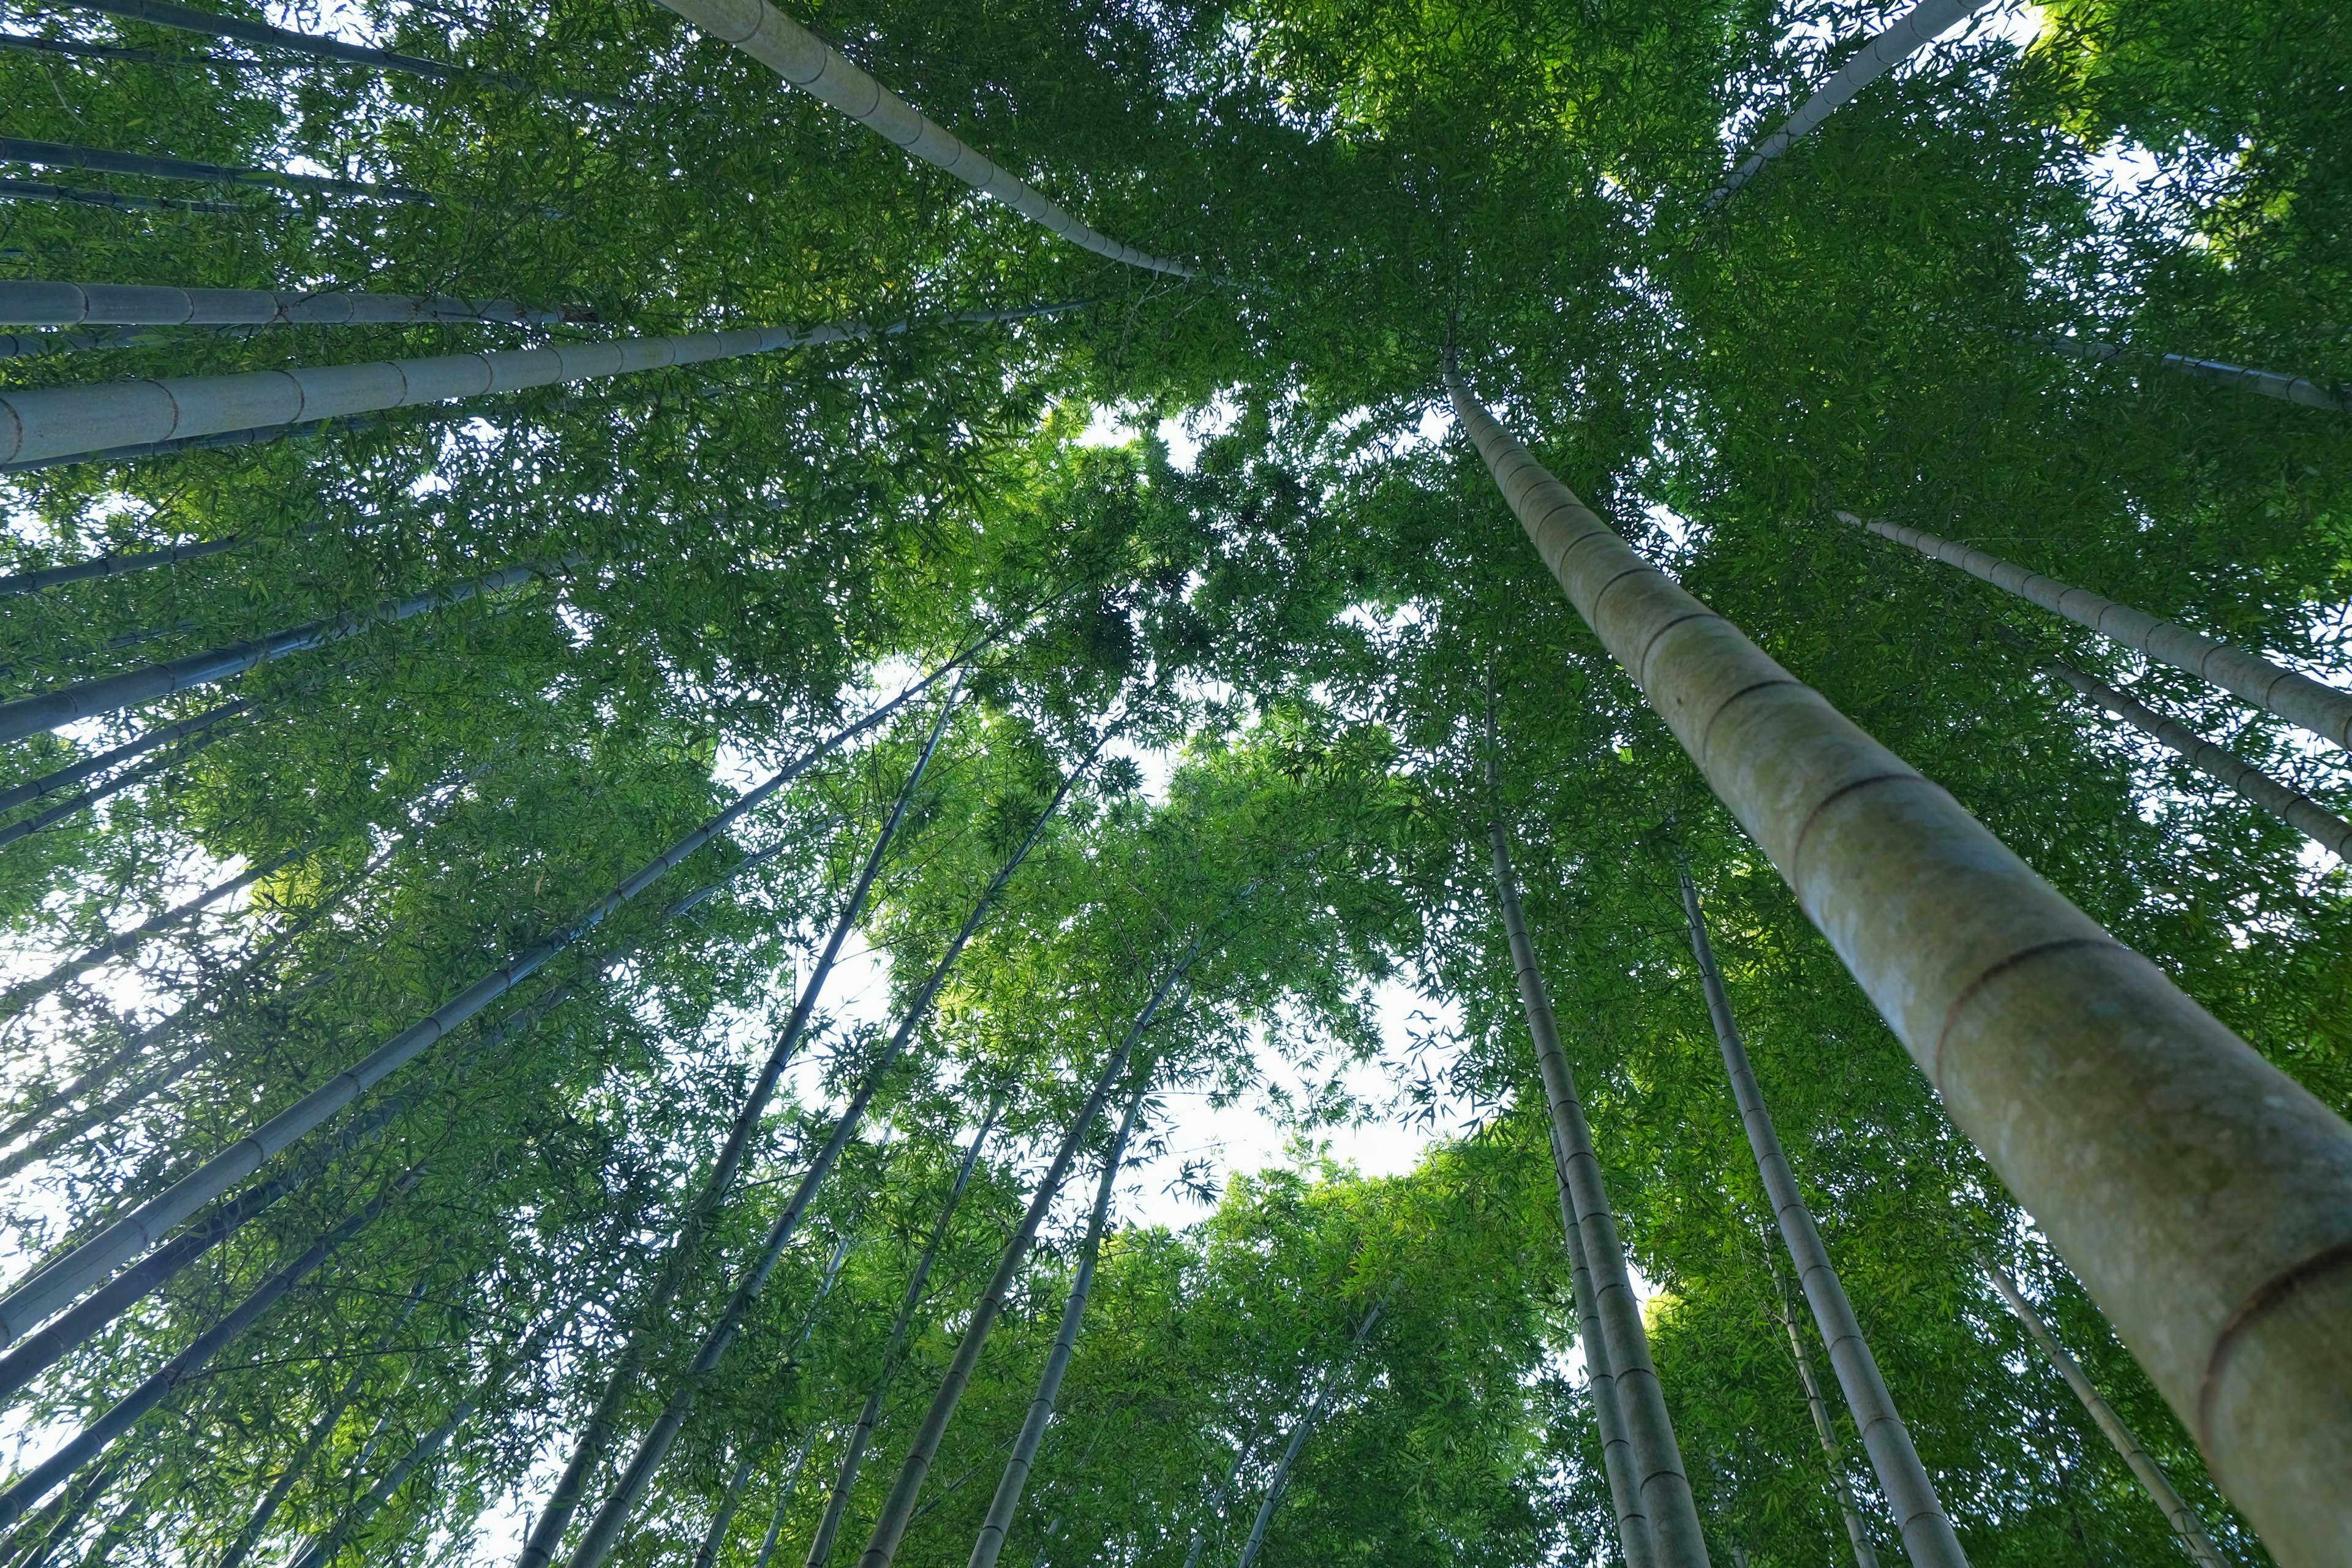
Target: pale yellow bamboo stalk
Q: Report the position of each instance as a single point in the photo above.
(2203, 1196)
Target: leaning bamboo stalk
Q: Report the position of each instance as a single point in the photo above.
(899, 1506)
(603, 1531)
(1216, 1499)
(1280, 1483)
(1006, 1503)
(2297, 698)
(2289, 804)
(189, 20)
(74, 805)
(2299, 389)
(722, 1519)
(2203, 1196)
(588, 1448)
(113, 564)
(817, 69)
(149, 166)
(43, 191)
(60, 1283)
(71, 1507)
(2169, 1502)
(1911, 31)
(1866, 1555)
(33, 789)
(1926, 1529)
(1608, 1412)
(1666, 1499)
(40, 302)
(785, 1491)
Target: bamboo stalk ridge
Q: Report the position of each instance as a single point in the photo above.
(1911, 32)
(1006, 1503)
(2202, 1196)
(2289, 804)
(1866, 1555)
(1926, 1529)
(1667, 1501)
(2174, 1509)
(36, 302)
(1616, 1450)
(816, 68)
(1298, 1435)
(2297, 698)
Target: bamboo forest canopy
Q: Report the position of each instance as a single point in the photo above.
(691, 690)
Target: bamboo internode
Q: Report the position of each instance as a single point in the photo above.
(2203, 1196)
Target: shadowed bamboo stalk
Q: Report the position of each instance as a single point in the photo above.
(2174, 1509)
(1216, 1499)
(62, 1280)
(898, 1507)
(105, 160)
(75, 805)
(113, 565)
(817, 69)
(2287, 388)
(39, 424)
(71, 1507)
(707, 1554)
(653, 1313)
(2297, 698)
(37, 302)
(1926, 1529)
(189, 20)
(2203, 1196)
(1006, 1503)
(785, 1489)
(854, 1454)
(1911, 32)
(1298, 1435)
(1608, 1413)
(32, 789)
(2289, 804)
(93, 1438)
(43, 191)
(1667, 1501)
(1866, 1555)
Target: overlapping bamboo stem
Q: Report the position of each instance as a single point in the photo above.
(2203, 1196)
(41, 302)
(1666, 1501)
(1633, 1536)
(44, 191)
(817, 69)
(2169, 1502)
(2289, 804)
(1926, 1529)
(32, 789)
(2297, 698)
(1866, 1555)
(74, 805)
(1006, 1503)
(1280, 1483)
(189, 20)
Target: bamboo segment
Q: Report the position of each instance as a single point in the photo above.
(1609, 1413)
(1216, 1499)
(188, 19)
(61, 155)
(817, 69)
(35, 302)
(2289, 804)
(2299, 389)
(43, 191)
(2297, 698)
(48, 784)
(1919, 1514)
(1006, 1503)
(110, 564)
(1866, 1555)
(2174, 1509)
(1298, 1435)
(1911, 32)
(2203, 1196)
(1667, 1501)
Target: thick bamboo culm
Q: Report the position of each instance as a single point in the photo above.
(2289, 804)
(1911, 32)
(817, 69)
(2174, 1509)
(1866, 1555)
(1607, 1413)
(35, 303)
(1926, 1529)
(2201, 1195)
(2297, 698)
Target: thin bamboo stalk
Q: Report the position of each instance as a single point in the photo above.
(707, 1554)
(1298, 1435)
(1666, 1500)
(1633, 1537)
(2299, 389)
(1926, 1529)
(1911, 32)
(817, 69)
(2289, 804)
(73, 805)
(1215, 1501)
(33, 789)
(111, 565)
(42, 190)
(39, 303)
(784, 1492)
(2297, 698)
(1866, 1555)
(149, 165)
(2169, 1502)
(2203, 1196)
(1006, 1503)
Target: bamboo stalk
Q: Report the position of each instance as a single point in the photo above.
(111, 564)
(149, 165)
(1633, 1537)
(42, 190)
(36, 302)
(2299, 389)
(1298, 1435)
(2203, 1196)
(1866, 1555)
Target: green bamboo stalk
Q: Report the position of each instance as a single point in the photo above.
(1866, 1555)
(1633, 1537)
(113, 564)
(39, 303)
(42, 190)
(1298, 1434)
(149, 165)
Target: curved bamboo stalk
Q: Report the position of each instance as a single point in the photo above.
(37, 302)
(605, 1530)
(1919, 1514)
(898, 1507)
(1911, 32)
(2289, 804)
(2169, 1502)
(909, 1302)
(1667, 1501)
(1007, 1500)
(1866, 1555)
(2297, 698)
(1281, 1481)
(62, 1280)
(2203, 1196)
(817, 69)
(111, 564)
(149, 165)
(1633, 1537)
